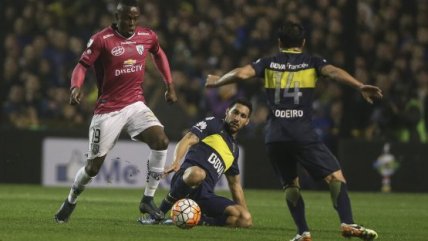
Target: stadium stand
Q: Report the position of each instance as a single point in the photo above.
(385, 44)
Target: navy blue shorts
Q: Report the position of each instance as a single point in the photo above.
(315, 157)
(211, 204)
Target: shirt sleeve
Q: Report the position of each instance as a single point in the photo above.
(155, 40)
(319, 63)
(234, 169)
(205, 127)
(259, 66)
(92, 51)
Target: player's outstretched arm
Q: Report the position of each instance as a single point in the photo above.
(369, 92)
(162, 64)
(233, 76)
(77, 79)
(236, 190)
(181, 149)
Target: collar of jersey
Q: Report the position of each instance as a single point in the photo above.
(291, 51)
(116, 31)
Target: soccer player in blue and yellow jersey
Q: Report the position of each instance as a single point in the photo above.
(289, 80)
(212, 151)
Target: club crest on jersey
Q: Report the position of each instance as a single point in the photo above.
(118, 51)
(140, 49)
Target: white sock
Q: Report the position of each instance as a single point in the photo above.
(155, 167)
(81, 179)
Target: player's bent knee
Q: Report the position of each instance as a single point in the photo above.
(160, 143)
(155, 138)
(194, 176)
(92, 170)
(163, 143)
(93, 166)
(292, 194)
(336, 176)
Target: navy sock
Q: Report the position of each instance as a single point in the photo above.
(178, 191)
(341, 201)
(167, 203)
(297, 211)
(297, 208)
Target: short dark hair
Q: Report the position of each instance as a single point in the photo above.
(129, 3)
(242, 101)
(291, 34)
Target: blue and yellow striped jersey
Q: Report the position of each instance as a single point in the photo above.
(217, 151)
(289, 80)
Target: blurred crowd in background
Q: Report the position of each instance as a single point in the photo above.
(381, 42)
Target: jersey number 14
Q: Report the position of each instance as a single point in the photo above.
(295, 94)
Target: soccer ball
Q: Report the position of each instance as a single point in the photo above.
(185, 213)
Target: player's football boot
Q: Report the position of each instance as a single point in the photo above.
(64, 212)
(305, 236)
(147, 219)
(355, 230)
(150, 208)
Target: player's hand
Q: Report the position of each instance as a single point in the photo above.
(175, 166)
(76, 96)
(211, 81)
(170, 95)
(370, 92)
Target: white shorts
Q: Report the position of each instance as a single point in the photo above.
(105, 128)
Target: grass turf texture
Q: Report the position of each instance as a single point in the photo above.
(26, 213)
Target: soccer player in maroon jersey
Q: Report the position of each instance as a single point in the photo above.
(117, 54)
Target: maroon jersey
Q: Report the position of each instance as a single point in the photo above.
(119, 65)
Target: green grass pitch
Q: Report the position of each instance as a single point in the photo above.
(26, 213)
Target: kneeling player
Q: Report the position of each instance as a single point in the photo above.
(211, 151)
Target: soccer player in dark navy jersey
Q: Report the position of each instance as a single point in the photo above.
(118, 56)
(289, 80)
(211, 152)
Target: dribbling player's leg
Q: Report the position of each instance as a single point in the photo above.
(101, 140)
(143, 125)
(157, 140)
(83, 177)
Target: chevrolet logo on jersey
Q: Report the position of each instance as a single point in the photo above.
(129, 66)
(129, 62)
